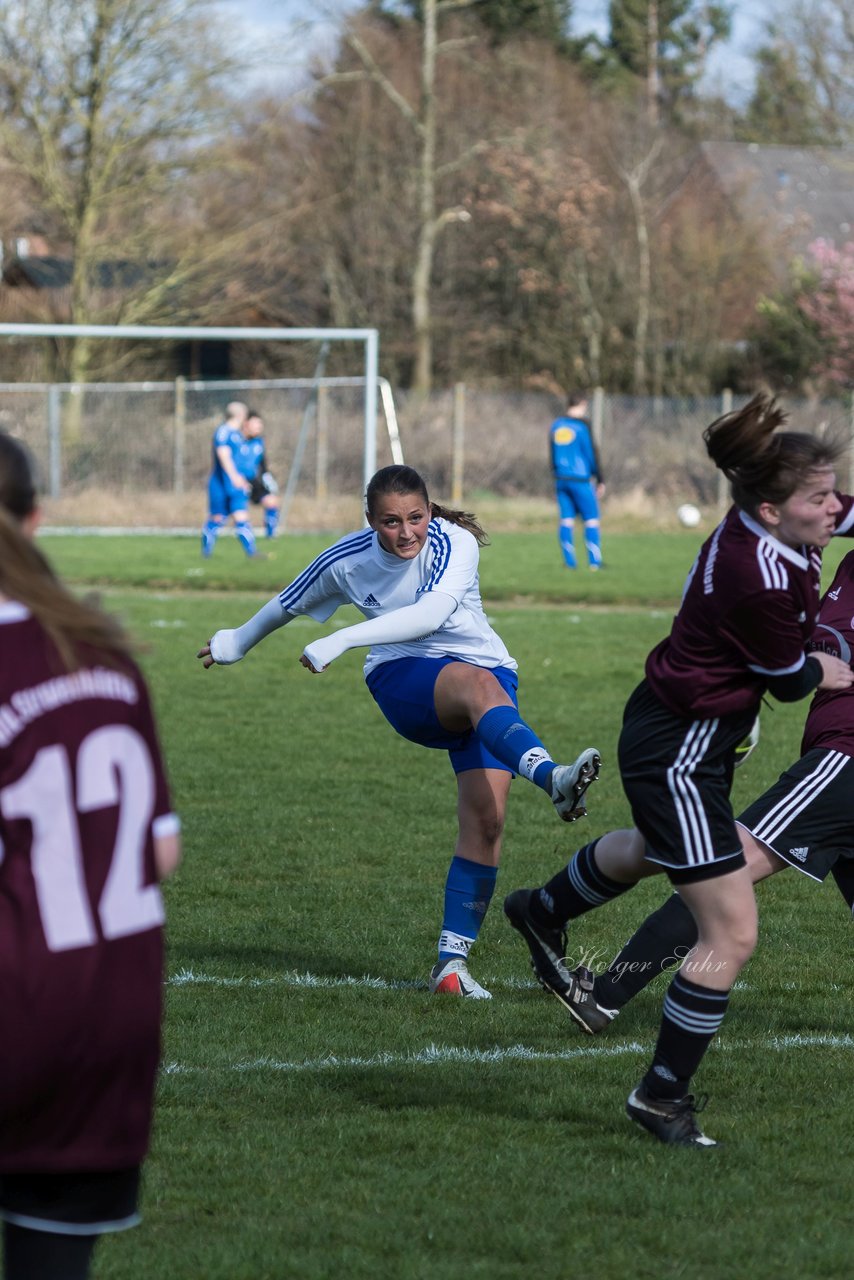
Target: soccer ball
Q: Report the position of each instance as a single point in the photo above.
(689, 515)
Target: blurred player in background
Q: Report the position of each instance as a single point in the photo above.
(86, 832)
(265, 490)
(748, 611)
(228, 486)
(439, 673)
(805, 820)
(578, 480)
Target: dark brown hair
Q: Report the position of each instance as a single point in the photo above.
(402, 480)
(761, 463)
(26, 576)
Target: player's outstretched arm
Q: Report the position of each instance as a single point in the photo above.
(409, 623)
(229, 646)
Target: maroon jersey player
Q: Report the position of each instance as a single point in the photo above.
(748, 610)
(86, 832)
(804, 820)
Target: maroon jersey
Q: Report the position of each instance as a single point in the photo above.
(830, 722)
(748, 610)
(82, 793)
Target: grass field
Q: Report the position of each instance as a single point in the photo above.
(320, 1114)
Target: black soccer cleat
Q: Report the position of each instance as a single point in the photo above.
(574, 988)
(671, 1122)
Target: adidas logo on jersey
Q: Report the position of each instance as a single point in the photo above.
(371, 602)
(800, 854)
(834, 595)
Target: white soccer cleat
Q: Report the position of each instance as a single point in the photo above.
(452, 978)
(570, 782)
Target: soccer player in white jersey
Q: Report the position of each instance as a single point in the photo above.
(748, 611)
(439, 673)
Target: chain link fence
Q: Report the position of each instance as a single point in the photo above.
(140, 453)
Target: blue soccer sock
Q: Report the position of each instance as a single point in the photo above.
(593, 542)
(210, 529)
(567, 546)
(271, 521)
(468, 892)
(246, 534)
(515, 744)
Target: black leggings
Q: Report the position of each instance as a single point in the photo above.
(45, 1255)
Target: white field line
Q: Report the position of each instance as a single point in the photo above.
(189, 977)
(440, 1055)
(436, 1055)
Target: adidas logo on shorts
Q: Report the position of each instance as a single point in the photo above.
(800, 854)
(371, 602)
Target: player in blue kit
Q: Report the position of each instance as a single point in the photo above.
(578, 480)
(748, 611)
(228, 486)
(439, 673)
(264, 491)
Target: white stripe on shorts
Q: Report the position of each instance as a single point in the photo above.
(799, 798)
(693, 823)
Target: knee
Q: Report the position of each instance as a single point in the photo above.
(745, 938)
(482, 829)
(736, 943)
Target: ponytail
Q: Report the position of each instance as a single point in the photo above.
(464, 519)
(762, 463)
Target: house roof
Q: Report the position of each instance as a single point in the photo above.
(800, 193)
(53, 272)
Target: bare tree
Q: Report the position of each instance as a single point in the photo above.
(100, 103)
(422, 118)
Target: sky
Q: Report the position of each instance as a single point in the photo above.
(271, 24)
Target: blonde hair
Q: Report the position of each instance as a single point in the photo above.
(73, 625)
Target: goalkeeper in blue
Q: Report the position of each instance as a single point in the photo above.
(440, 675)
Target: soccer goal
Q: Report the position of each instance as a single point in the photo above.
(156, 435)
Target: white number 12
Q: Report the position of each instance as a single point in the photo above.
(113, 768)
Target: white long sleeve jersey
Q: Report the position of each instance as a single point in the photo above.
(356, 570)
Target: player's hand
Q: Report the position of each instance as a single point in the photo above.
(312, 658)
(836, 674)
(205, 655)
(221, 650)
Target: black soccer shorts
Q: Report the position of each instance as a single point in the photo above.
(807, 816)
(677, 776)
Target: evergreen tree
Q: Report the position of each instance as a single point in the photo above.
(664, 43)
(783, 108)
(503, 19)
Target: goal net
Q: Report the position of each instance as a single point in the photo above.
(140, 453)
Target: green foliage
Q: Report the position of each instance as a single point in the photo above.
(784, 108)
(503, 19)
(785, 346)
(684, 33)
(319, 1113)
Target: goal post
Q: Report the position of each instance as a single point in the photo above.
(369, 338)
